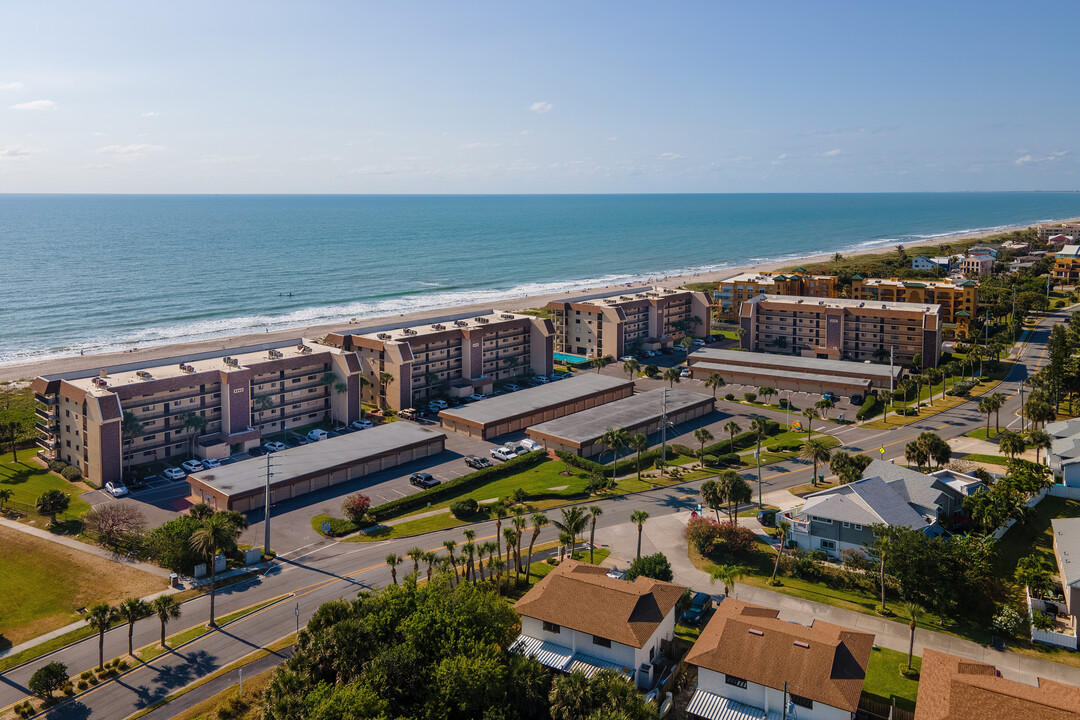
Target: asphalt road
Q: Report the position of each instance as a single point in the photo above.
(324, 570)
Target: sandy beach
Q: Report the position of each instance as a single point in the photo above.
(29, 370)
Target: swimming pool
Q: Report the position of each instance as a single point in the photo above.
(569, 359)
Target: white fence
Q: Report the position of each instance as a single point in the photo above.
(1073, 493)
(1030, 503)
(1066, 639)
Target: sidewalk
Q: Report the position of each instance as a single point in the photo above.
(83, 547)
(665, 534)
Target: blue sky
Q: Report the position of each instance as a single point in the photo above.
(553, 97)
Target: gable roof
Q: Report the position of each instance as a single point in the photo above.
(953, 688)
(1063, 428)
(581, 597)
(823, 662)
(1066, 534)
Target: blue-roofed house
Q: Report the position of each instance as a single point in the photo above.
(841, 518)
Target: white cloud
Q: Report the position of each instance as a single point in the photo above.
(226, 159)
(540, 107)
(130, 152)
(478, 146)
(11, 86)
(831, 153)
(1024, 160)
(150, 114)
(783, 156)
(670, 156)
(613, 138)
(19, 151)
(36, 105)
(1029, 158)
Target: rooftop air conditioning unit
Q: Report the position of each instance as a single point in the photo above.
(384, 336)
(507, 316)
(437, 326)
(227, 360)
(142, 374)
(460, 323)
(482, 320)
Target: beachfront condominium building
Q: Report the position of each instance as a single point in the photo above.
(1051, 230)
(620, 324)
(731, 293)
(957, 299)
(405, 366)
(842, 329)
(1067, 265)
(207, 405)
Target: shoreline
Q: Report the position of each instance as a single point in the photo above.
(27, 370)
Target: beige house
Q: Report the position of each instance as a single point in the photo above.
(842, 329)
(977, 265)
(623, 324)
(454, 358)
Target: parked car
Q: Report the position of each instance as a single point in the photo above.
(829, 396)
(667, 351)
(684, 372)
(406, 414)
(503, 453)
(275, 446)
(116, 489)
(511, 388)
(699, 341)
(438, 404)
(699, 608)
(856, 399)
(211, 463)
(192, 465)
(531, 445)
(174, 473)
(423, 480)
(298, 440)
(626, 358)
(767, 518)
(477, 463)
(365, 424)
(257, 451)
(316, 435)
(475, 397)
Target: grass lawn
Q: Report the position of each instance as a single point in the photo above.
(43, 585)
(1034, 536)
(992, 459)
(28, 479)
(884, 681)
(981, 434)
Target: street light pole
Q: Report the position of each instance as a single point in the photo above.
(1021, 406)
(663, 430)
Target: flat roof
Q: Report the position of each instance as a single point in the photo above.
(847, 303)
(769, 278)
(430, 327)
(288, 465)
(624, 295)
(523, 402)
(784, 374)
(581, 427)
(796, 362)
(1067, 539)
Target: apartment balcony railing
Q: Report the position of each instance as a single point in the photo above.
(46, 399)
(46, 414)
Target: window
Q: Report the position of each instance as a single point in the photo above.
(818, 518)
(858, 526)
(736, 681)
(801, 701)
(847, 524)
(828, 545)
(551, 627)
(601, 641)
(652, 653)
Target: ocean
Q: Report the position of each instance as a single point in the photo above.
(106, 272)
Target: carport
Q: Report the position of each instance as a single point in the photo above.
(296, 471)
(782, 379)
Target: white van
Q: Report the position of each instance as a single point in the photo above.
(316, 435)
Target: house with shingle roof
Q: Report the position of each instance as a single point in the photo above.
(841, 518)
(1066, 534)
(751, 665)
(579, 618)
(953, 688)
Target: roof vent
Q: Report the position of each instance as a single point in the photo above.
(460, 323)
(438, 326)
(754, 631)
(384, 336)
(482, 320)
(142, 374)
(507, 316)
(800, 643)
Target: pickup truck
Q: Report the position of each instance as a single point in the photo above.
(506, 452)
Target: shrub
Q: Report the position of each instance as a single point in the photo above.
(355, 506)
(122, 665)
(710, 460)
(783, 402)
(750, 397)
(337, 527)
(735, 539)
(702, 532)
(655, 566)
(729, 396)
(48, 679)
(57, 466)
(1042, 621)
(83, 685)
(93, 680)
(464, 508)
(871, 406)
(71, 473)
(801, 565)
(1008, 621)
(169, 545)
(727, 459)
(86, 675)
(1059, 304)
(854, 559)
(683, 450)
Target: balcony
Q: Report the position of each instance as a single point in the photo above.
(46, 399)
(46, 414)
(47, 442)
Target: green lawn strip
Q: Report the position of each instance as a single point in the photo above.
(148, 653)
(981, 434)
(884, 681)
(28, 479)
(1034, 536)
(991, 459)
(688, 633)
(80, 633)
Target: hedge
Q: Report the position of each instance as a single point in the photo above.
(742, 441)
(623, 467)
(71, 473)
(452, 487)
(870, 407)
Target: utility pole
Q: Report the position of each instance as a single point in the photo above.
(266, 507)
(1021, 406)
(785, 701)
(892, 375)
(663, 431)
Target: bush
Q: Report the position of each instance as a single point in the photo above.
(83, 685)
(71, 473)
(1042, 621)
(683, 450)
(655, 566)
(962, 388)
(453, 487)
(337, 527)
(750, 397)
(355, 506)
(871, 406)
(783, 402)
(57, 466)
(48, 679)
(710, 460)
(1008, 621)
(708, 535)
(170, 545)
(729, 396)
(464, 508)
(1059, 304)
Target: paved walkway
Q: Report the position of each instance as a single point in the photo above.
(665, 534)
(83, 547)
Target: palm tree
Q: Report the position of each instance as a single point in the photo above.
(986, 406)
(196, 424)
(573, 523)
(5, 495)
(509, 534)
(881, 354)
(1038, 439)
(130, 611)
(468, 552)
(364, 382)
(519, 523)
(783, 527)
(539, 520)
(167, 608)
(450, 545)
(998, 400)
(714, 382)
(416, 555)
(492, 551)
(631, 367)
(1011, 443)
(639, 443)
(816, 450)
(500, 513)
(766, 391)
(732, 429)
(672, 375)
(703, 436)
(429, 559)
(732, 490)
(726, 574)
(711, 497)
(825, 405)
(99, 617)
(565, 540)
(595, 511)
(809, 414)
(638, 517)
(616, 441)
(393, 561)
(385, 381)
(913, 614)
(216, 535)
(568, 695)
